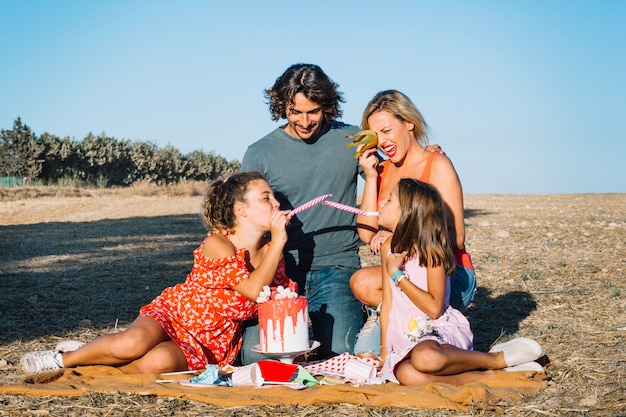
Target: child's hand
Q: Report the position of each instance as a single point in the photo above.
(395, 261)
(278, 226)
(383, 357)
(379, 238)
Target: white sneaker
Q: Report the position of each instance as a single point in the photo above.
(519, 351)
(68, 346)
(525, 367)
(41, 361)
(370, 323)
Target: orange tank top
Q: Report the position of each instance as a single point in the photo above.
(425, 177)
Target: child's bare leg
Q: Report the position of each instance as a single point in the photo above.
(441, 359)
(433, 362)
(119, 348)
(367, 285)
(408, 375)
(165, 357)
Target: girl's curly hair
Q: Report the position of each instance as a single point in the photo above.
(219, 200)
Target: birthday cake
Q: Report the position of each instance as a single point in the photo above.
(283, 320)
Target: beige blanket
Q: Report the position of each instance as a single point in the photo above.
(505, 386)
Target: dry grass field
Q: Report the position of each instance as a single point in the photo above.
(79, 263)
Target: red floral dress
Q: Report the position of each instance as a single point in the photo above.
(204, 314)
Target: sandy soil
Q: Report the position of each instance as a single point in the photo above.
(549, 267)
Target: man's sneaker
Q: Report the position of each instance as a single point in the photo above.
(372, 320)
(368, 339)
(68, 346)
(41, 361)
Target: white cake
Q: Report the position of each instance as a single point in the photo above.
(284, 325)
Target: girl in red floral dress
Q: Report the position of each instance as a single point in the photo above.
(198, 322)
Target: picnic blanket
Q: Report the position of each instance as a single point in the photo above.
(85, 380)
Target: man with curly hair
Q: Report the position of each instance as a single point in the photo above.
(304, 159)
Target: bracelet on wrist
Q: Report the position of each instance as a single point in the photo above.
(399, 280)
(395, 275)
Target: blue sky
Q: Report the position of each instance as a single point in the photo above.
(526, 97)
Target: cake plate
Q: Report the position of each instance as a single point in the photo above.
(286, 357)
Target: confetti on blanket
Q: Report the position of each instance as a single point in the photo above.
(505, 386)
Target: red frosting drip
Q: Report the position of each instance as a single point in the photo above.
(278, 311)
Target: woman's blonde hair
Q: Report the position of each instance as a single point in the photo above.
(401, 107)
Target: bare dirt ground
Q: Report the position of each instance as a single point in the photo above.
(80, 263)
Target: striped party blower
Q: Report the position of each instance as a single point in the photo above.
(349, 208)
(309, 204)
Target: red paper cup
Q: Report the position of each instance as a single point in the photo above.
(276, 371)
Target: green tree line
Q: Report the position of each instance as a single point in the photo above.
(101, 161)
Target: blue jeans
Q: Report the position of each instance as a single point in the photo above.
(462, 291)
(462, 287)
(335, 314)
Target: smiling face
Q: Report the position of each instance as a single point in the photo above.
(394, 135)
(304, 118)
(389, 210)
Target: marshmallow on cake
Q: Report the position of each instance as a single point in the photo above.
(283, 320)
